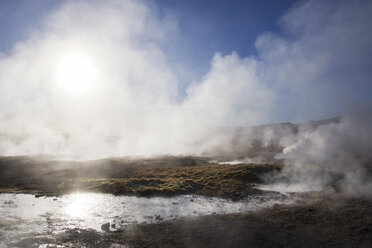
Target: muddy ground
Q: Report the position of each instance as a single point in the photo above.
(331, 223)
(325, 221)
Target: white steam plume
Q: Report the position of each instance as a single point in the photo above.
(333, 156)
(95, 82)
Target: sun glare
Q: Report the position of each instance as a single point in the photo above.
(79, 205)
(76, 73)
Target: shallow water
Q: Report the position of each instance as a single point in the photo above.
(291, 187)
(23, 216)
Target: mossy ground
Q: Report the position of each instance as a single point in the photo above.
(162, 176)
(214, 180)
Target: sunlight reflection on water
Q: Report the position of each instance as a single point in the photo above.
(23, 215)
(80, 205)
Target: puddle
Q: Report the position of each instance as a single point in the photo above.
(23, 216)
(286, 188)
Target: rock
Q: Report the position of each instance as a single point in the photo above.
(106, 227)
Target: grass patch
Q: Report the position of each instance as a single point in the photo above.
(163, 176)
(212, 180)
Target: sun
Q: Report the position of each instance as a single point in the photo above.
(76, 73)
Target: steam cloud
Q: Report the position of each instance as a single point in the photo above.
(333, 156)
(318, 67)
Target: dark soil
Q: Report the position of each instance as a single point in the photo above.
(314, 225)
(327, 223)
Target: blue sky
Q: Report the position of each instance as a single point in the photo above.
(311, 57)
(224, 26)
(206, 27)
(19, 17)
(145, 70)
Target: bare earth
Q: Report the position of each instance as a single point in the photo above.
(317, 224)
(325, 221)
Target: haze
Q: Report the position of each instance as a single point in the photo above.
(113, 78)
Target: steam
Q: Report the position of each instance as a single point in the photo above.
(122, 95)
(126, 97)
(333, 156)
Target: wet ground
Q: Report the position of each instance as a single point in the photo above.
(318, 221)
(42, 219)
(189, 203)
(328, 223)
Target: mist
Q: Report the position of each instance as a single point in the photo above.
(95, 81)
(333, 157)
